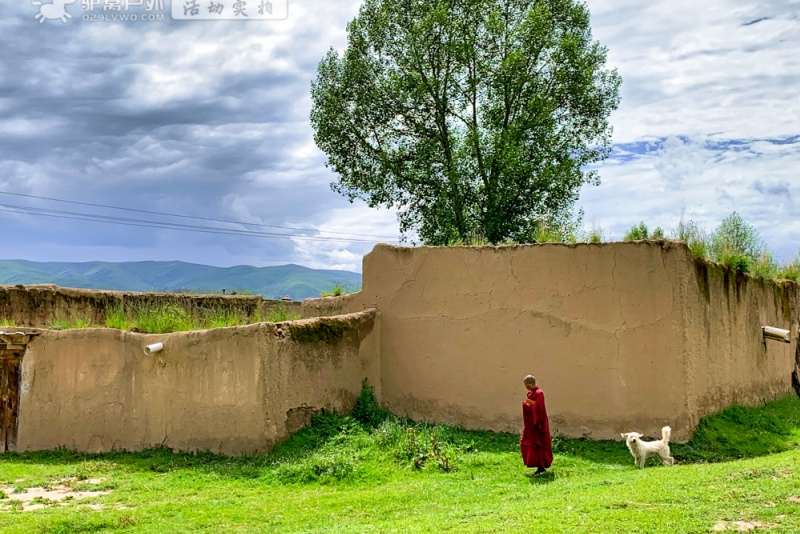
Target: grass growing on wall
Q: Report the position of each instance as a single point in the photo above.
(67, 323)
(7, 322)
(279, 314)
(373, 472)
(165, 318)
(222, 318)
(338, 290)
(116, 317)
(161, 319)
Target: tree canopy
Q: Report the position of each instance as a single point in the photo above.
(470, 117)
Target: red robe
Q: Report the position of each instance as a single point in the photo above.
(535, 444)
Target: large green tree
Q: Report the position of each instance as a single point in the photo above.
(471, 117)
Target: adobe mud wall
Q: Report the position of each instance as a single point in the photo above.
(727, 359)
(41, 305)
(233, 390)
(621, 336)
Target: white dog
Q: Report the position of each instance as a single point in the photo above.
(641, 450)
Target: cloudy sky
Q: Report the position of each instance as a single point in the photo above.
(210, 119)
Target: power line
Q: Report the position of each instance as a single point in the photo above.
(123, 221)
(192, 216)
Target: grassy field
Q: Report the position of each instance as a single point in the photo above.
(371, 473)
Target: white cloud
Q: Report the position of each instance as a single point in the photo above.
(370, 226)
(758, 186)
(678, 160)
(691, 69)
(212, 118)
(718, 97)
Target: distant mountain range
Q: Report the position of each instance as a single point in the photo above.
(272, 282)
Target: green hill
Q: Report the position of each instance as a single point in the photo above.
(272, 282)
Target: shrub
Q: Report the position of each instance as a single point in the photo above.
(737, 262)
(421, 445)
(640, 232)
(367, 411)
(337, 290)
(764, 266)
(637, 232)
(789, 270)
(736, 238)
(695, 237)
(596, 235)
(548, 234)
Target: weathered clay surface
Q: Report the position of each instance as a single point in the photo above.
(229, 390)
(727, 360)
(621, 336)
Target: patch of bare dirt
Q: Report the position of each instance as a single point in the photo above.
(742, 526)
(59, 494)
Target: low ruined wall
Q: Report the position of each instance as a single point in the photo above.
(728, 361)
(621, 337)
(229, 390)
(614, 333)
(41, 305)
(330, 306)
(461, 327)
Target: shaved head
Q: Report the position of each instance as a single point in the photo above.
(530, 379)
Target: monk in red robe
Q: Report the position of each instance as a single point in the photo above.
(535, 443)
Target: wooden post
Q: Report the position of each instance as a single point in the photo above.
(9, 396)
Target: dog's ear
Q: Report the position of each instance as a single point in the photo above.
(624, 435)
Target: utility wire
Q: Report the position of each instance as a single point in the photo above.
(123, 221)
(192, 216)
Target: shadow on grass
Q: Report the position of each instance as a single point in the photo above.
(325, 449)
(741, 432)
(539, 480)
(606, 452)
(737, 432)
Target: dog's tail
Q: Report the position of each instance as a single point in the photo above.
(665, 433)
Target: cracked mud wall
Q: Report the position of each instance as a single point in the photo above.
(728, 361)
(621, 336)
(597, 324)
(229, 390)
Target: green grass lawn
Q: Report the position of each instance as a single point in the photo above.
(370, 473)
